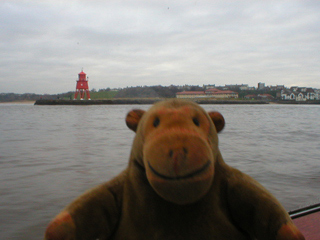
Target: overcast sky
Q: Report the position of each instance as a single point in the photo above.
(45, 44)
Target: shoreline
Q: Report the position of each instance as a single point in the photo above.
(138, 101)
(121, 101)
(20, 102)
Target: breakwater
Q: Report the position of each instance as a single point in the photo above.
(95, 102)
(138, 101)
(297, 102)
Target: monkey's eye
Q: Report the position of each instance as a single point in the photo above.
(156, 122)
(196, 121)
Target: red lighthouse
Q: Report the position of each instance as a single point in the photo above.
(82, 87)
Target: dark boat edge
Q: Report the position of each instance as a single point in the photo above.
(304, 211)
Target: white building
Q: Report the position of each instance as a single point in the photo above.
(297, 95)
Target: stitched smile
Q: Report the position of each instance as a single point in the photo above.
(190, 175)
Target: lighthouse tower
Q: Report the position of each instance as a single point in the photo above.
(82, 87)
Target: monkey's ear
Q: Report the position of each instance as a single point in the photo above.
(133, 118)
(218, 120)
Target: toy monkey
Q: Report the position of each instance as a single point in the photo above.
(176, 186)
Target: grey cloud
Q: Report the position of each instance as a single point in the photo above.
(129, 43)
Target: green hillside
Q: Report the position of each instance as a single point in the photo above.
(103, 94)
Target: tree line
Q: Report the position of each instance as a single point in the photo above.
(128, 92)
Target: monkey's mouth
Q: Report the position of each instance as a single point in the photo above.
(190, 175)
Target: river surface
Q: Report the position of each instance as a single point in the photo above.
(51, 154)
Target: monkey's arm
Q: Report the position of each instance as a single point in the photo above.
(93, 215)
(257, 212)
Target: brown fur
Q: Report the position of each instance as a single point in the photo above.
(176, 186)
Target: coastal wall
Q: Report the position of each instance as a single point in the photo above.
(153, 100)
(139, 101)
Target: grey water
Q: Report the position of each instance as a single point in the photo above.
(51, 154)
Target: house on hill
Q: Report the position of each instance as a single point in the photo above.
(251, 96)
(209, 93)
(299, 94)
(190, 94)
(266, 96)
(216, 93)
